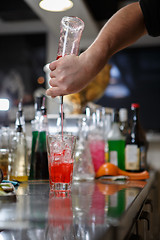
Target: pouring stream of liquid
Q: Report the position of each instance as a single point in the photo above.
(62, 115)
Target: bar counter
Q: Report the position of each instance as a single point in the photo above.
(93, 211)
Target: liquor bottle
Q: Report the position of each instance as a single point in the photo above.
(136, 143)
(19, 165)
(40, 156)
(20, 116)
(123, 118)
(35, 129)
(116, 142)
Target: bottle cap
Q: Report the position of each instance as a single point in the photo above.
(135, 105)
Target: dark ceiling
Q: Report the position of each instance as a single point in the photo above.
(17, 10)
(103, 9)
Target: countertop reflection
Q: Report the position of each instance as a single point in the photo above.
(90, 212)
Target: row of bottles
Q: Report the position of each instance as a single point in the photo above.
(21, 166)
(118, 142)
(127, 145)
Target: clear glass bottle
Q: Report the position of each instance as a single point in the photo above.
(71, 29)
(40, 155)
(19, 164)
(136, 144)
(116, 143)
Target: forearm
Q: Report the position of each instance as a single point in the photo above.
(123, 29)
(70, 74)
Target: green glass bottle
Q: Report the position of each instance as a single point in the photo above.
(116, 143)
(40, 155)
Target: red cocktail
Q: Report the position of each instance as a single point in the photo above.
(60, 161)
(60, 171)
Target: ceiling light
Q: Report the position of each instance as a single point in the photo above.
(4, 104)
(56, 5)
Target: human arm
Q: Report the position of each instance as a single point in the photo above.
(72, 73)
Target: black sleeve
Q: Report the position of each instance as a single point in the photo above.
(151, 12)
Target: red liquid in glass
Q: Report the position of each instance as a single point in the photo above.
(60, 171)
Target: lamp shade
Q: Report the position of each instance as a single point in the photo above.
(56, 5)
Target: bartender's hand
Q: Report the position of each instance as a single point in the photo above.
(69, 74)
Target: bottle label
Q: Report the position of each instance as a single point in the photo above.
(113, 156)
(132, 161)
